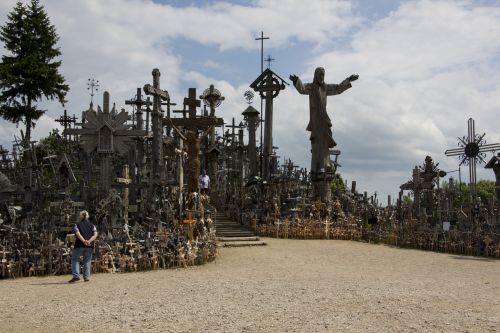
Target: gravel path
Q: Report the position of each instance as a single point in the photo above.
(287, 286)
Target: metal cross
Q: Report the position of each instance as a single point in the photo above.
(269, 60)
(92, 85)
(472, 149)
(261, 38)
(212, 97)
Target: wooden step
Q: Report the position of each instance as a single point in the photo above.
(241, 244)
(238, 239)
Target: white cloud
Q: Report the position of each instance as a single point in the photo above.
(424, 70)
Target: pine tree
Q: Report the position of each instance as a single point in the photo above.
(29, 71)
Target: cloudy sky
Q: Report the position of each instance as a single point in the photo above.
(425, 68)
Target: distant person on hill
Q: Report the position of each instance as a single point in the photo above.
(204, 182)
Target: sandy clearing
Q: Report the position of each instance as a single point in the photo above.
(287, 286)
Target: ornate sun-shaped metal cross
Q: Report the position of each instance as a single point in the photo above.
(212, 98)
(472, 149)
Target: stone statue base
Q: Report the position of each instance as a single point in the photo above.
(321, 182)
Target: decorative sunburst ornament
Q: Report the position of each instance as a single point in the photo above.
(249, 95)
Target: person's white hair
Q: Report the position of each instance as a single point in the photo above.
(84, 214)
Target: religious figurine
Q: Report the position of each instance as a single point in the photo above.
(319, 122)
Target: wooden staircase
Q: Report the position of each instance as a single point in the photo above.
(231, 233)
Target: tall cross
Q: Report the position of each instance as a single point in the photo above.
(268, 85)
(189, 135)
(158, 96)
(233, 135)
(261, 38)
(213, 98)
(126, 191)
(472, 149)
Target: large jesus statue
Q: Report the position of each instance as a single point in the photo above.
(320, 124)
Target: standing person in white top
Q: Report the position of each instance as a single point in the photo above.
(204, 182)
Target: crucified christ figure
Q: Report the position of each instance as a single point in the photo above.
(320, 124)
(192, 142)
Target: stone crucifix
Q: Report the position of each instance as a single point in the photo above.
(268, 85)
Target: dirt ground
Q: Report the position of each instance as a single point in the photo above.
(287, 286)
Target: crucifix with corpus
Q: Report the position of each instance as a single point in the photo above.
(189, 134)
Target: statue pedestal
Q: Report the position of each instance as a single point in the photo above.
(321, 182)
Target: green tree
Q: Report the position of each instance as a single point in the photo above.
(407, 201)
(486, 190)
(337, 185)
(29, 71)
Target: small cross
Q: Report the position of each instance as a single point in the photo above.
(277, 223)
(269, 60)
(327, 224)
(66, 121)
(189, 220)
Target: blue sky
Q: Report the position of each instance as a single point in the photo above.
(425, 67)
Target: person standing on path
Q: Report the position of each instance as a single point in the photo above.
(204, 182)
(85, 233)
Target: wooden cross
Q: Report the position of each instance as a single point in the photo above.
(277, 223)
(233, 127)
(191, 138)
(66, 121)
(192, 102)
(190, 220)
(157, 151)
(125, 195)
(67, 207)
(327, 224)
(138, 103)
(192, 121)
